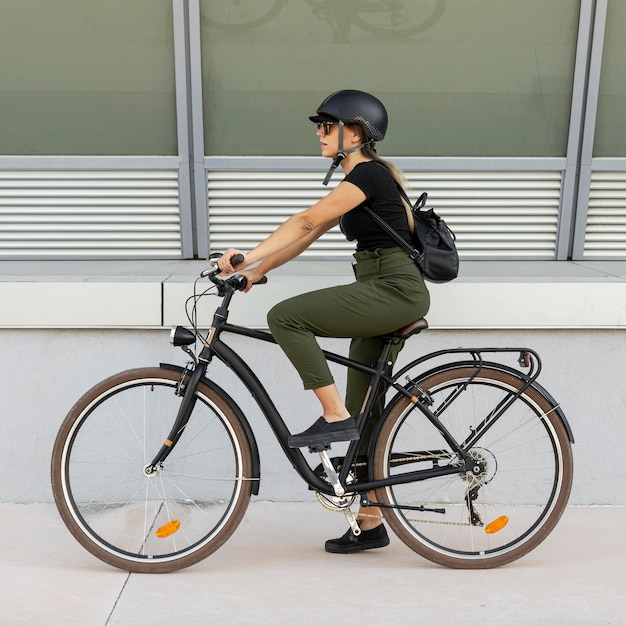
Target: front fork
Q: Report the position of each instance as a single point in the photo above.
(189, 390)
(184, 413)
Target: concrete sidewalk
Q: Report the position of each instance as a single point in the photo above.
(274, 571)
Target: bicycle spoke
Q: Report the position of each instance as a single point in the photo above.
(517, 490)
(167, 518)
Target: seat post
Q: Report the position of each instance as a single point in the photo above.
(383, 359)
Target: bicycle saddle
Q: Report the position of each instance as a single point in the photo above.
(411, 329)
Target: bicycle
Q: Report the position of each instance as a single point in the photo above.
(471, 460)
(386, 18)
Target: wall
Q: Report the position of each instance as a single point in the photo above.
(46, 369)
(584, 370)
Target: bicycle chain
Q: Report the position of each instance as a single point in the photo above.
(336, 509)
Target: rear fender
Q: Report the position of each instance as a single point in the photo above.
(488, 364)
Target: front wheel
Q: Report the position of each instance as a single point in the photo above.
(159, 521)
(521, 468)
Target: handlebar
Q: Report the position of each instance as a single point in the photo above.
(236, 281)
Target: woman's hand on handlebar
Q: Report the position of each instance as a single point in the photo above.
(225, 263)
(254, 277)
(234, 260)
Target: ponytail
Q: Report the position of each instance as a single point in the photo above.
(370, 152)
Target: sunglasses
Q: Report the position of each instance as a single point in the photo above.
(325, 127)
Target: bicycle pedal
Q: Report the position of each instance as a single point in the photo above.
(319, 447)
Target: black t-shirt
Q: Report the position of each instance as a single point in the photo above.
(383, 197)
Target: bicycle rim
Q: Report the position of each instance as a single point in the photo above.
(520, 490)
(167, 520)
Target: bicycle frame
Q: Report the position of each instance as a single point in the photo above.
(282, 433)
(214, 346)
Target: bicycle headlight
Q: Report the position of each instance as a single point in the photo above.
(181, 336)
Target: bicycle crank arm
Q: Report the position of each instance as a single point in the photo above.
(354, 525)
(331, 475)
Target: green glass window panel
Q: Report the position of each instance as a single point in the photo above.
(87, 77)
(458, 77)
(610, 134)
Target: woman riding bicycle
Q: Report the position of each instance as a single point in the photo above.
(389, 291)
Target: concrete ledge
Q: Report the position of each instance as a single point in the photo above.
(80, 304)
(152, 294)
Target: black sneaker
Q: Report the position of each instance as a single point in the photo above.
(368, 539)
(325, 432)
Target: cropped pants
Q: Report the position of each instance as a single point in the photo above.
(389, 293)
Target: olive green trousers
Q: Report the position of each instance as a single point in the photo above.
(389, 293)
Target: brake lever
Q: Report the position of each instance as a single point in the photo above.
(212, 271)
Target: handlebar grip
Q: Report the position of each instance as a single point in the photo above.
(237, 259)
(239, 282)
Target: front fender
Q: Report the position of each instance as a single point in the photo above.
(256, 462)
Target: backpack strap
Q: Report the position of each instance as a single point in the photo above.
(410, 208)
(412, 252)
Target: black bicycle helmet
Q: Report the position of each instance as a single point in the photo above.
(350, 106)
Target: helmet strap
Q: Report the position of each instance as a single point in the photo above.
(341, 155)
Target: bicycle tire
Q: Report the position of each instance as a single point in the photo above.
(525, 461)
(172, 518)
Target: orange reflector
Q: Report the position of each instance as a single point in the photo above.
(498, 524)
(168, 529)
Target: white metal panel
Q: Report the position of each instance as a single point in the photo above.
(494, 214)
(89, 214)
(605, 235)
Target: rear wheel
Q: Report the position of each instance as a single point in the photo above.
(517, 491)
(164, 520)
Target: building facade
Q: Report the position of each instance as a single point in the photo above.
(138, 136)
(169, 128)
